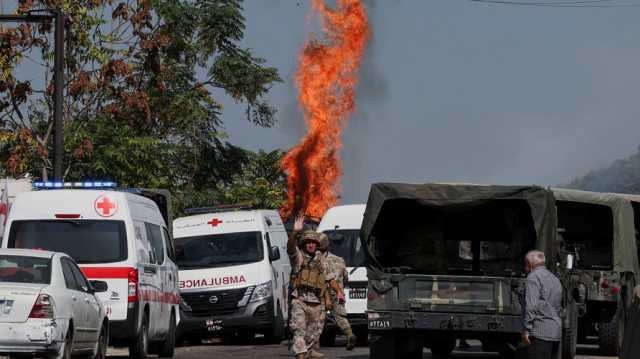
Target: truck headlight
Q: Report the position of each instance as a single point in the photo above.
(262, 291)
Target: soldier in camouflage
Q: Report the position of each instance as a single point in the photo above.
(310, 281)
(338, 268)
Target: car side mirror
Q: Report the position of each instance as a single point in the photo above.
(99, 286)
(274, 253)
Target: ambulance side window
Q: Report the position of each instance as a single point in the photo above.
(171, 252)
(155, 238)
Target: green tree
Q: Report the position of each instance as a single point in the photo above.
(260, 183)
(140, 93)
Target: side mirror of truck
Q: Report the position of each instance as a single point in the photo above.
(569, 261)
(274, 253)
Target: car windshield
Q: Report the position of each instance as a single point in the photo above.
(23, 269)
(86, 241)
(219, 250)
(345, 243)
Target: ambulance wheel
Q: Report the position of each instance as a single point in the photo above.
(276, 335)
(167, 348)
(139, 348)
(328, 338)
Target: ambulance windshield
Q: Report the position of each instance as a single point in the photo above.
(86, 241)
(346, 243)
(218, 250)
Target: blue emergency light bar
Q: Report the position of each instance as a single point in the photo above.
(73, 185)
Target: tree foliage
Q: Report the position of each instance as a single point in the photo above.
(260, 183)
(622, 176)
(141, 85)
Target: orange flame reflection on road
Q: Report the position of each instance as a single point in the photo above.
(326, 79)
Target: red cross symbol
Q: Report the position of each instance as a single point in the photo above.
(3, 211)
(105, 207)
(214, 222)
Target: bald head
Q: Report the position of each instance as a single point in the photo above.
(534, 259)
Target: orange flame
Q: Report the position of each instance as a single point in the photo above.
(326, 81)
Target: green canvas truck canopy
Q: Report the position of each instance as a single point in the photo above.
(399, 197)
(624, 241)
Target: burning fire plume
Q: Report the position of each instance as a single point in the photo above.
(326, 79)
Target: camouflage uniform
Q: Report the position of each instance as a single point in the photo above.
(338, 269)
(306, 307)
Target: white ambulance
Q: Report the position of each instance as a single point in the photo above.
(117, 237)
(234, 274)
(342, 225)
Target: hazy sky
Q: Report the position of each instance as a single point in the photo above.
(453, 90)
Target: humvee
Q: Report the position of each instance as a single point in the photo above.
(446, 262)
(597, 229)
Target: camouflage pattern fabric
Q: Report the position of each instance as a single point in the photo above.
(306, 324)
(297, 259)
(338, 268)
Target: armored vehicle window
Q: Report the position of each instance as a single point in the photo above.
(487, 238)
(587, 229)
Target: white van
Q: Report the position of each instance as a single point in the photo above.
(120, 238)
(234, 274)
(342, 225)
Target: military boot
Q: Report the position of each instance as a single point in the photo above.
(315, 354)
(351, 340)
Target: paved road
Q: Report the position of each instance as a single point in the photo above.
(216, 349)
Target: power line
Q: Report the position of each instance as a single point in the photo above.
(562, 4)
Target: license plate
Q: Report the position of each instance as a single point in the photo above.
(357, 293)
(214, 325)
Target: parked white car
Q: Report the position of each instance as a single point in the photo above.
(47, 306)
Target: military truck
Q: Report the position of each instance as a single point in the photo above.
(446, 261)
(597, 230)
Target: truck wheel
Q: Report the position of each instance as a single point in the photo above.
(167, 348)
(570, 335)
(139, 348)
(362, 337)
(608, 338)
(276, 335)
(382, 346)
(443, 348)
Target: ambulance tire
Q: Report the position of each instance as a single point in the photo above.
(139, 348)
(328, 338)
(103, 342)
(276, 335)
(168, 346)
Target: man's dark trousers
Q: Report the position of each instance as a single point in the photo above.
(542, 349)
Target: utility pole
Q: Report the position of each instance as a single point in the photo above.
(43, 16)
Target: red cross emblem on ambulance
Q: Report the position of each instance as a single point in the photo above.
(105, 206)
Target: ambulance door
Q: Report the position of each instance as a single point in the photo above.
(280, 267)
(170, 276)
(155, 287)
